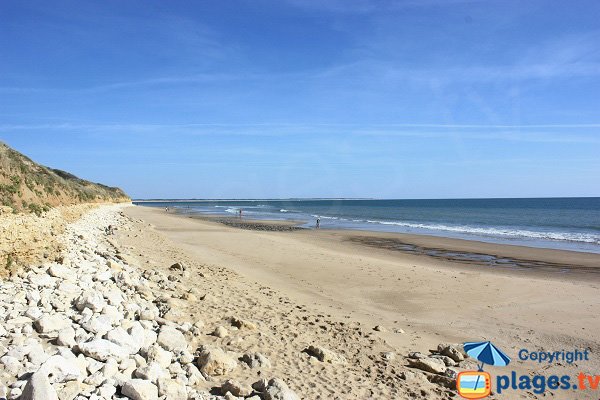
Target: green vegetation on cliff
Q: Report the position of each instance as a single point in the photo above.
(29, 187)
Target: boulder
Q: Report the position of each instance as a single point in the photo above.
(139, 389)
(214, 361)
(432, 365)
(66, 337)
(162, 357)
(171, 339)
(172, 389)
(151, 372)
(278, 390)
(51, 323)
(454, 351)
(122, 338)
(235, 388)
(60, 271)
(90, 299)
(61, 369)
(38, 387)
(102, 350)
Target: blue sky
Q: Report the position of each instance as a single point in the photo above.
(302, 98)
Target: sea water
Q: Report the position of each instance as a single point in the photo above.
(561, 223)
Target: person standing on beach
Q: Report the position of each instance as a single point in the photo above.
(240, 213)
(318, 223)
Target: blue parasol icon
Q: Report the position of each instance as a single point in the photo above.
(487, 353)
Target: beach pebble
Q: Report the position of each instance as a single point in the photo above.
(243, 324)
(220, 332)
(325, 355)
(256, 360)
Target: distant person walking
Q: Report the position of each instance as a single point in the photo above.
(318, 223)
(240, 213)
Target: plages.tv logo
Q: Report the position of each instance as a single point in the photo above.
(478, 384)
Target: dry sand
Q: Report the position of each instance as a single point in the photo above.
(329, 287)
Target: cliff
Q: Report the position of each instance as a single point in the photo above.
(26, 186)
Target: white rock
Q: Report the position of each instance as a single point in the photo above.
(43, 280)
(278, 390)
(171, 339)
(325, 355)
(106, 391)
(92, 300)
(69, 288)
(61, 369)
(193, 374)
(103, 276)
(151, 372)
(235, 388)
(172, 389)
(36, 354)
(110, 368)
(60, 271)
(95, 380)
(220, 332)
(432, 365)
(139, 389)
(39, 388)
(11, 365)
(162, 357)
(214, 361)
(102, 350)
(99, 325)
(123, 339)
(51, 323)
(66, 337)
(34, 313)
(256, 360)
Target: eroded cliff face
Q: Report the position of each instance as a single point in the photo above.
(36, 203)
(29, 239)
(26, 186)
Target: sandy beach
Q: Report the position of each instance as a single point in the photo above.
(136, 302)
(543, 300)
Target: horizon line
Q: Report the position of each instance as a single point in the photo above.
(355, 198)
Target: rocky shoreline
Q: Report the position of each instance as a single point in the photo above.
(95, 325)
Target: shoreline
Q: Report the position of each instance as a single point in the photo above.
(509, 257)
(436, 297)
(560, 232)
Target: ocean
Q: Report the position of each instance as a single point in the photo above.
(560, 223)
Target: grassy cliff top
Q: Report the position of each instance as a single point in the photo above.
(30, 187)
